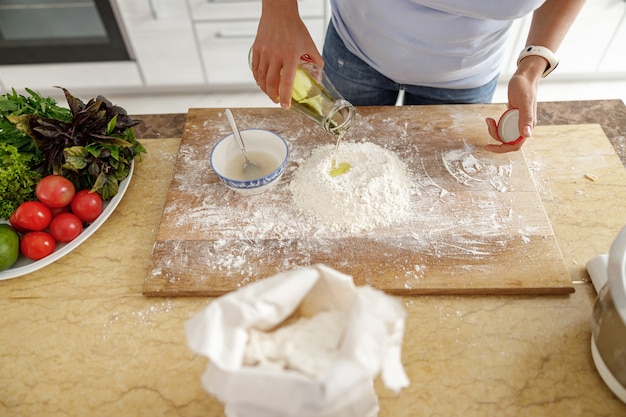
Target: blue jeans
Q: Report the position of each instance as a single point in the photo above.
(362, 85)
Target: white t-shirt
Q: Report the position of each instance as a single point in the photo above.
(435, 43)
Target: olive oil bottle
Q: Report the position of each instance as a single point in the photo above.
(316, 98)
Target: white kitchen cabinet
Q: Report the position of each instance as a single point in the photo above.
(87, 76)
(225, 31)
(162, 46)
(246, 9)
(162, 41)
(225, 46)
(173, 44)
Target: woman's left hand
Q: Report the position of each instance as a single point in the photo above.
(522, 96)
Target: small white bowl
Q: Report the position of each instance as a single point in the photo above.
(267, 149)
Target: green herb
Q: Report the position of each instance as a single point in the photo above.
(17, 179)
(15, 104)
(20, 159)
(94, 148)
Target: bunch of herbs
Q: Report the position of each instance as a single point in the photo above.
(92, 144)
(17, 178)
(20, 158)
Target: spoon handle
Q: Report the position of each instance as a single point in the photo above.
(233, 126)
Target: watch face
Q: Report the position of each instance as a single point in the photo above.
(508, 130)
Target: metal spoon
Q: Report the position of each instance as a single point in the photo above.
(250, 169)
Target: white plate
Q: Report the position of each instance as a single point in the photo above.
(25, 266)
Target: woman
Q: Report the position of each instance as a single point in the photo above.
(437, 51)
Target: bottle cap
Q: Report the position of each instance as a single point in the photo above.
(508, 130)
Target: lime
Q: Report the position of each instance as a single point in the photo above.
(9, 246)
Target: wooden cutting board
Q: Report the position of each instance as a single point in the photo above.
(479, 225)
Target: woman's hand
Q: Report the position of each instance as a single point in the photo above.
(281, 39)
(548, 27)
(523, 96)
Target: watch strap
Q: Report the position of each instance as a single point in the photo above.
(543, 52)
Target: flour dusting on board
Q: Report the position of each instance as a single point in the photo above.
(466, 168)
(402, 202)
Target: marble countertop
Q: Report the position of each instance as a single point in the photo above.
(79, 338)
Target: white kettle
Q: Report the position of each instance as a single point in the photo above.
(608, 339)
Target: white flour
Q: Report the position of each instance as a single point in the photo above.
(376, 191)
(466, 168)
(308, 345)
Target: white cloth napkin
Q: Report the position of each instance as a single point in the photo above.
(369, 344)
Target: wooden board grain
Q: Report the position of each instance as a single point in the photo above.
(477, 229)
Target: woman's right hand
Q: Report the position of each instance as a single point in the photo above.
(281, 39)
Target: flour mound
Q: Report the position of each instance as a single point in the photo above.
(375, 192)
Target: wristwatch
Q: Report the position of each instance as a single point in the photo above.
(543, 52)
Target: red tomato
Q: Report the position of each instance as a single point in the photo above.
(87, 206)
(37, 245)
(55, 191)
(66, 227)
(32, 215)
(13, 222)
(58, 210)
